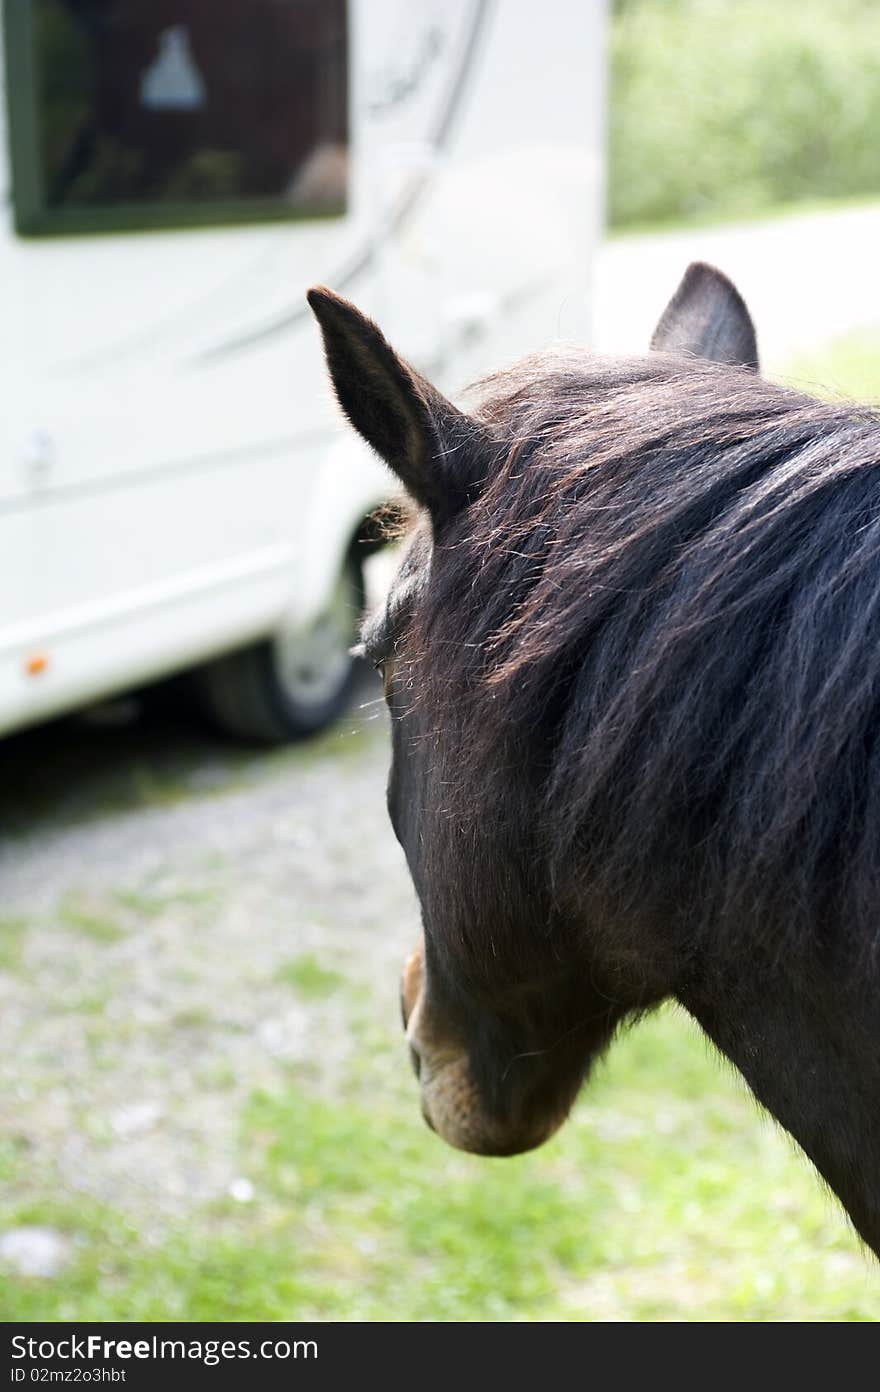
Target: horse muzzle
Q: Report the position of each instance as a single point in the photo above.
(451, 1101)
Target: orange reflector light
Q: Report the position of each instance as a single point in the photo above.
(36, 665)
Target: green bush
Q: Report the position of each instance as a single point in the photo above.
(724, 108)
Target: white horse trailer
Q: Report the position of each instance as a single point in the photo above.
(176, 488)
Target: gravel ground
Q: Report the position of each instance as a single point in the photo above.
(160, 889)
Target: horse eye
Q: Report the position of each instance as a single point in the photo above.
(379, 664)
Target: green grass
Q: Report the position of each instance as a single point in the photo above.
(722, 109)
(83, 917)
(12, 935)
(309, 976)
(666, 1196)
(766, 213)
(153, 902)
(847, 367)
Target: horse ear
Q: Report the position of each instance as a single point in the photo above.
(430, 445)
(707, 318)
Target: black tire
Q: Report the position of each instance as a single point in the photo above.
(293, 684)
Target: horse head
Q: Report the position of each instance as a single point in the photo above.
(504, 1008)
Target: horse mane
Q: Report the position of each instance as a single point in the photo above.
(661, 623)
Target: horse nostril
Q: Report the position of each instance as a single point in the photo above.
(415, 1059)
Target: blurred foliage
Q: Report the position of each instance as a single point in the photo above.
(723, 108)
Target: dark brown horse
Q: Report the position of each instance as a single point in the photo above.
(632, 659)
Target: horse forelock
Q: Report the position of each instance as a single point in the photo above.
(657, 632)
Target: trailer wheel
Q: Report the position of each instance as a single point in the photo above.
(294, 683)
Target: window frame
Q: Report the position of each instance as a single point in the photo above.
(33, 218)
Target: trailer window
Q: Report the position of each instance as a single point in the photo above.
(145, 113)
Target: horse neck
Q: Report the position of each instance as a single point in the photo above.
(809, 1049)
